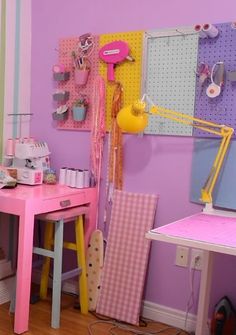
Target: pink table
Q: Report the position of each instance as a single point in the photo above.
(213, 231)
(26, 202)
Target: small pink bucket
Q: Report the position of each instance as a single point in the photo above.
(81, 76)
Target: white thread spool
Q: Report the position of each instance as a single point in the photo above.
(10, 149)
(198, 28)
(31, 140)
(86, 178)
(210, 30)
(62, 176)
(73, 178)
(68, 174)
(79, 179)
(26, 140)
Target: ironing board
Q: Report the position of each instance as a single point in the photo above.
(94, 264)
(126, 256)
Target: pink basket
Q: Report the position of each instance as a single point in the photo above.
(81, 76)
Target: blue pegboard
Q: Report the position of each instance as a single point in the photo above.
(211, 50)
(169, 76)
(204, 154)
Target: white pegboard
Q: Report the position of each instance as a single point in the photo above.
(169, 66)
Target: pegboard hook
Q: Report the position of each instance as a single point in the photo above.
(180, 32)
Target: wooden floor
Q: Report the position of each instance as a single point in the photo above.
(72, 322)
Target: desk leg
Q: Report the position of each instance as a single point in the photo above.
(24, 267)
(204, 294)
(91, 226)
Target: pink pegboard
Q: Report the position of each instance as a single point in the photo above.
(66, 46)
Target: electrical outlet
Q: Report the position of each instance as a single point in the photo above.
(181, 256)
(196, 259)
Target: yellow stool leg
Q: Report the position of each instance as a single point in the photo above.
(83, 290)
(48, 235)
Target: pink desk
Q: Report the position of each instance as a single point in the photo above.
(212, 232)
(26, 202)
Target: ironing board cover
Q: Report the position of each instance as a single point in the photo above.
(126, 256)
(94, 263)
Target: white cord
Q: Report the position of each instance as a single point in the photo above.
(118, 325)
(191, 299)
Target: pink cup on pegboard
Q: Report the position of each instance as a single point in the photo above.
(81, 76)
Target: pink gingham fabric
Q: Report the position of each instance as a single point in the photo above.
(126, 256)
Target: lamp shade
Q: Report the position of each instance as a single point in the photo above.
(131, 119)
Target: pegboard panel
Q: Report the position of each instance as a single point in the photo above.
(66, 46)
(128, 73)
(211, 50)
(169, 76)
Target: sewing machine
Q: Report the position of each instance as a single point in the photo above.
(31, 160)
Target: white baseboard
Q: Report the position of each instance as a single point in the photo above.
(170, 316)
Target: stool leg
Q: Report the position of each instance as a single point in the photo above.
(57, 274)
(48, 234)
(83, 290)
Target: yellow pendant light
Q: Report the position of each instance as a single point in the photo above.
(133, 118)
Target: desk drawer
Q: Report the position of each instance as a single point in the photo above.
(63, 202)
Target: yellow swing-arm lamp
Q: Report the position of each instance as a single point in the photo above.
(134, 119)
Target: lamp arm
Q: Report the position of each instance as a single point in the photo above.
(213, 128)
(189, 120)
(207, 189)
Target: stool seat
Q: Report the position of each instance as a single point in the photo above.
(65, 214)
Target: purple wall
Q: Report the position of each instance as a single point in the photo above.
(165, 164)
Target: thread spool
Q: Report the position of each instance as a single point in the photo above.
(68, 174)
(31, 140)
(86, 174)
(62, 176)
(198, 28)
(210, 30)
(73, 175)
(79, 179)
(10, 149)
